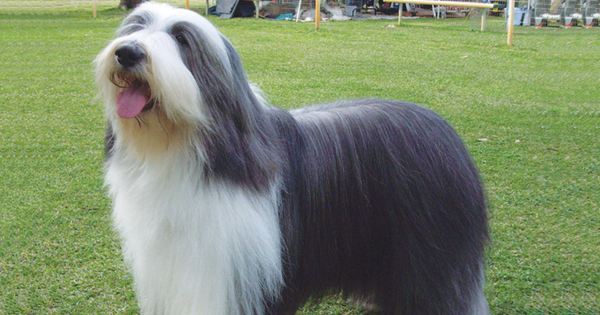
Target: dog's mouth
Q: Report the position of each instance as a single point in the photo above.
(134, 99)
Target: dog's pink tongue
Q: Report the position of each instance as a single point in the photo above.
(131, 101)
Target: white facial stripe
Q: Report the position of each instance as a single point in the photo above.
(165, 16)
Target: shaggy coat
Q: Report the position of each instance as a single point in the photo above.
(229, 206)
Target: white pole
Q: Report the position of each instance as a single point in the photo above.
(298, 10)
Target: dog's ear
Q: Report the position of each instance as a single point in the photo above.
(220, 76)
(240, 149)
(247, 100)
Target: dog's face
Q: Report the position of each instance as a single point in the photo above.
(170, 80)
(162, 64)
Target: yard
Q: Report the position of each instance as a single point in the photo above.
(530, 114)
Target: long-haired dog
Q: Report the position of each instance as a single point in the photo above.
(228, 206)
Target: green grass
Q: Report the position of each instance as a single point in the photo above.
(537, 103)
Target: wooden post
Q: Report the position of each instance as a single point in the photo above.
(317, 13)
(187, 4)
(511, 22)
(94, 14)
(400, 14)
(485, 11)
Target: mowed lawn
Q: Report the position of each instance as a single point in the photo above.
(530, 114)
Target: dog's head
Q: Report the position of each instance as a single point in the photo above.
(172, 82)
(174, 65)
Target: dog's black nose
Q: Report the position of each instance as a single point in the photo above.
(129, 55)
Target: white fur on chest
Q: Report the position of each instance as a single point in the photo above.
(194, 248)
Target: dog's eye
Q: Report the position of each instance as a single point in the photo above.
(181, 39)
